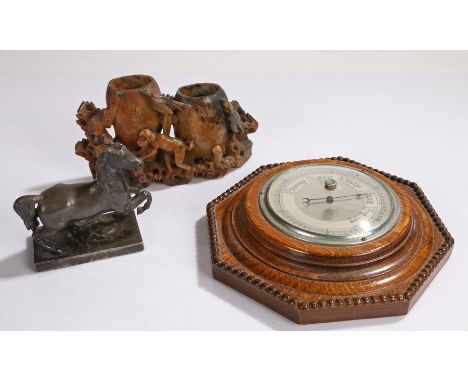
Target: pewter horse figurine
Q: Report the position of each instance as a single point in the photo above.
(64, 205)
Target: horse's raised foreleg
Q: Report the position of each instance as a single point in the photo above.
(139, 198)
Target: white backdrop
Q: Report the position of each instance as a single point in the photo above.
(405, 113)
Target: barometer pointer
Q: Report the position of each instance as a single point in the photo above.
(330, 199)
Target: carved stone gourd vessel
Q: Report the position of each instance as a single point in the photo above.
(327, 240)
(128, 103)
(215, 127)
(210, 132)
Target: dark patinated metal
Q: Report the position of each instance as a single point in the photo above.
(98, 238)
(87, 221)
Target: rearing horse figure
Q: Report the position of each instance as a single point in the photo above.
(63, 205)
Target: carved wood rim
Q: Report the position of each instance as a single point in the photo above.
(415, 285)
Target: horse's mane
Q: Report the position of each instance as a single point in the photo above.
(104, 177)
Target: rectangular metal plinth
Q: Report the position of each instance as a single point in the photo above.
(116, 236)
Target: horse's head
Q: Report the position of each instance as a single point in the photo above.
(119, 157)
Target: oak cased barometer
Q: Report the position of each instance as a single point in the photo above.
(327, 240)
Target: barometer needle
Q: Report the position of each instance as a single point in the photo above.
(327, 198)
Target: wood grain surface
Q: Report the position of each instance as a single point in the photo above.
(311, 283)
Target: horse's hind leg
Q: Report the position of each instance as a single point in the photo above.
(44, 238)
(25, 207)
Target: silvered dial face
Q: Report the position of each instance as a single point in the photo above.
(330, 204)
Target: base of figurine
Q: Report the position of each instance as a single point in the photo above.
(98, 238)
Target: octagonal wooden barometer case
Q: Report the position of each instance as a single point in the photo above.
(327, 240)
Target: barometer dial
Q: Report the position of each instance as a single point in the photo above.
(330, 204)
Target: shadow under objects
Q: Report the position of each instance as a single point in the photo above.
(20, 263)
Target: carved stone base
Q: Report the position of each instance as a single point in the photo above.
(101, 237)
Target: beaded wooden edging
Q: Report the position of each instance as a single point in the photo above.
(332, 303)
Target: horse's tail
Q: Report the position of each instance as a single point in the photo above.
(25, 207)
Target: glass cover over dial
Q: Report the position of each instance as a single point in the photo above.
(330, 204)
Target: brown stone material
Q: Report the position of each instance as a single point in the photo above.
(210, 132)
(310, 283)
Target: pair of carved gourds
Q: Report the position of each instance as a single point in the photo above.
(197, 132)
